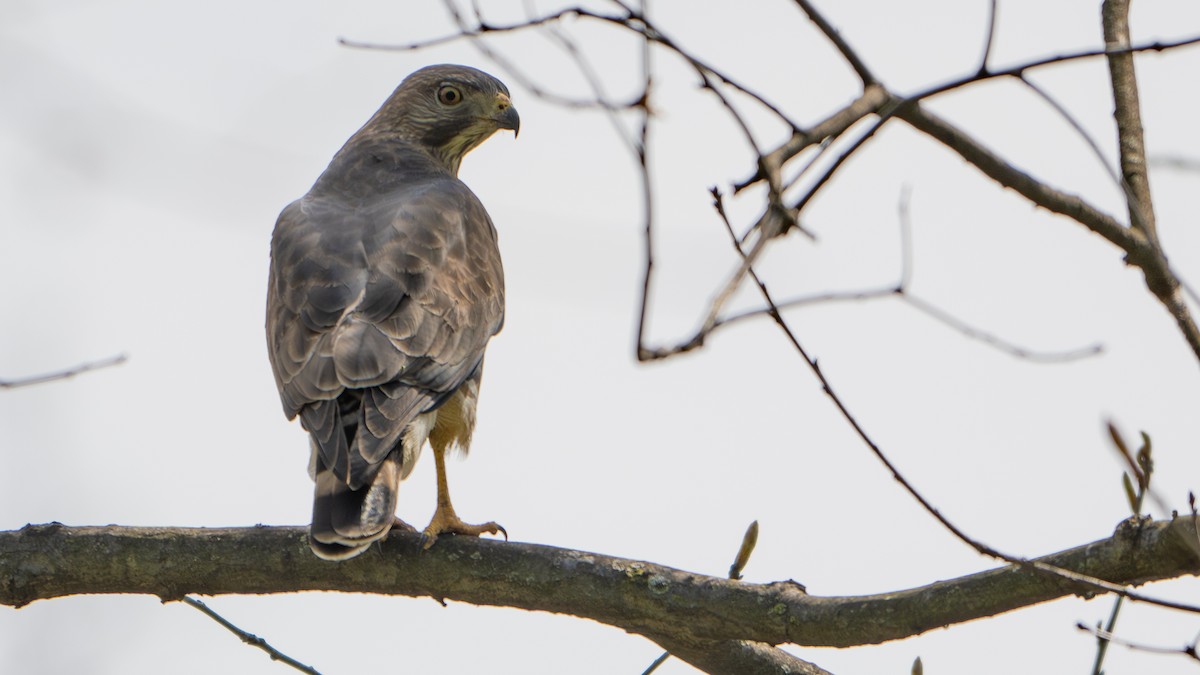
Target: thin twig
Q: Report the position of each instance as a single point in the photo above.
(634, 21)
(1176, 162)
(64, 374)
(643, 157)
(831, 127)
(857, 145)
(822, 148)
(1017, 70)
(597, 86)
(599, 102)
(904, 216)
(925, 307)
(249, 638)
(1135, 210)
(832, 34)
(1189, 651)
(482, 29)
(942, 316)
(1141, 473)
(662, 658)
(707, 69)
(767, 231)
(1078, 127)
(1102, 642)
(902, 289)
(809, 300)
(987, 44)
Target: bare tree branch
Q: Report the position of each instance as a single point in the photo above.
(49, 561)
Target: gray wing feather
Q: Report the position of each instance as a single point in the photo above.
(396, 298)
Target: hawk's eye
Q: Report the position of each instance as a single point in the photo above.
(449, 95)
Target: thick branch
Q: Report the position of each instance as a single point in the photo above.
(48, 561)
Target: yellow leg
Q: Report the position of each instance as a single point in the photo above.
(444, 518)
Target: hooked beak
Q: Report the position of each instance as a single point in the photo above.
(505, 114)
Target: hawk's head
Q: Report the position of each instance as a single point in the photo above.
(448, 110)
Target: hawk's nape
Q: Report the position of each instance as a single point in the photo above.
(385, 287)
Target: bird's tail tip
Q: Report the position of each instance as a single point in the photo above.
(335, 551)
(346, 520)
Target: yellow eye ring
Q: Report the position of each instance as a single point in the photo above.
(449, 95)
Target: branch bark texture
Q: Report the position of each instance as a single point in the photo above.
(1128, 114)
(680, 609)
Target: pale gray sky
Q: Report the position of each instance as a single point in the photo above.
(146, 149)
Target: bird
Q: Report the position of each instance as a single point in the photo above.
(385, 287)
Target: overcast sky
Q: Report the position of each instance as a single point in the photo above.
(146, 149)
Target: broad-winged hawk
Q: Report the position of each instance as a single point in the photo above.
(385, 287)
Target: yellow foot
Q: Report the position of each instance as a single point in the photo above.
(445, 521)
